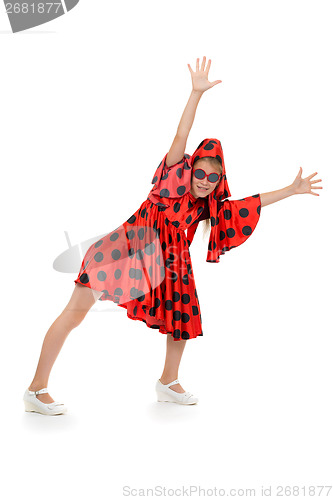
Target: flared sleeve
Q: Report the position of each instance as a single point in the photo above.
(171, 182)
(235, 222)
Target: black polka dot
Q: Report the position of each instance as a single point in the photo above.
(195, 310)
(132, 219)
(98, 256)
(185, 279)
(231, 232)
(116, 254)
(132, 272)
(101, 275)
(243, 212)
(157, 302)
(246, 230)
(176, 334)
(130, 234)
(165, 193)
(114, 236)
(168, 305)
(211, 245)
(98, 244)
(176, 207)
(186, 298)
(185, 318)
(209, 146)
(227, 214)
(185, 335)
(174, 276)
(188, 219)
(84, 278)
(176, 315)
(175, 296)
(118, 291)
(139, 254)
(150, 248)
(117, 274)
(181, 190)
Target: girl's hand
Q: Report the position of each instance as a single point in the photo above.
(200, 81)
(301, 186)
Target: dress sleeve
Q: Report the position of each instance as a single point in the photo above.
(172, 181)
(235, 222)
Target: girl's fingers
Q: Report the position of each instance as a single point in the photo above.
(316, 187)
(312, 175)
(216, 82)
(189, 67)
(208, 66)
(203, 63)
(319, 180)
(197, 65)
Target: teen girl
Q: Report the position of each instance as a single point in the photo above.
(145, 266)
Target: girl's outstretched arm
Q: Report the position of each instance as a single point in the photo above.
(200, 84)
(299, 186)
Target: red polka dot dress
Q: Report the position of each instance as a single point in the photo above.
(145, 264)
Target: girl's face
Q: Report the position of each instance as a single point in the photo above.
(200, 188)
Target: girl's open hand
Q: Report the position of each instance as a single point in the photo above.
(200, 81)
(301, 186)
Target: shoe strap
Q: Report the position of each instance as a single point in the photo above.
(41, 391)
(172, 383)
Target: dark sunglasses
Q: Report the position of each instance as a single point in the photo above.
(199, 173)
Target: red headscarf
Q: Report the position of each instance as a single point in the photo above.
(175, 181)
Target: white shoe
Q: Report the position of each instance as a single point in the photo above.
(32, 403)
(166, 394)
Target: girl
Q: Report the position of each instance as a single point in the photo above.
(145, 266)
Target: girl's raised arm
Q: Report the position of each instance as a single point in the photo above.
(200, 84)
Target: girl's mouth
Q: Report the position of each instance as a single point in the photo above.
(202, 189)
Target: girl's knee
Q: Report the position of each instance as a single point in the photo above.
(73, 317)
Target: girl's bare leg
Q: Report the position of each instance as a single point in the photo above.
(82, 299)
(174, 351)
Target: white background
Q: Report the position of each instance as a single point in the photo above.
(90, 103)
